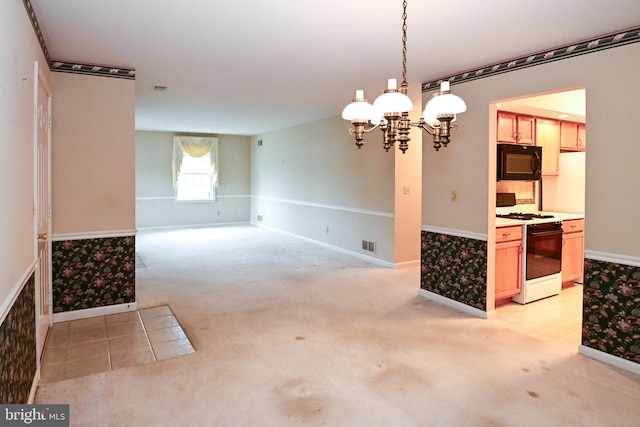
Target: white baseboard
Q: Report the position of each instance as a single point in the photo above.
(93, 312)
(407, 264)
(187, 226)
(34, 387)
(610, 359)
(332, 247)
(453, 304)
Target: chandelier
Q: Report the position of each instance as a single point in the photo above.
(390, 111)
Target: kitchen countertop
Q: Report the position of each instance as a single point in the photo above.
(557, 216)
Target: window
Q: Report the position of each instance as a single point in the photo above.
(194, 167)
(195, 181)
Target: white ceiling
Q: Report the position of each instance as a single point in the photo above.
(566, 105)
(251, 66)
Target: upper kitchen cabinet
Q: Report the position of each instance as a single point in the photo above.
(573, 136)
(516, 128)
(548, 137)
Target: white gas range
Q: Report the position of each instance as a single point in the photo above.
(542, 252)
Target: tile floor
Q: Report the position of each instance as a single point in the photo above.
(555, 319)
(99, 344)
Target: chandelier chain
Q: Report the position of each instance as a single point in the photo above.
(404, 42)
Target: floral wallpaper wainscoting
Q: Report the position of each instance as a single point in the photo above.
(92, 273)
(18, 347)
(611, 309)
(455, 268)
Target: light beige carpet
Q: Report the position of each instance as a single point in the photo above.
(289, 333)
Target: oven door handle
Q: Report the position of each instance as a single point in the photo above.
(544, 233)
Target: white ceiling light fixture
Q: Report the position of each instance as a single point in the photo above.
(390, 111)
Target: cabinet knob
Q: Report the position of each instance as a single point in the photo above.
(506, 234)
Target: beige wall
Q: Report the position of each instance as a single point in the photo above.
(93, 161)
(408, 188)
(612, 85)
(19, 50)
(312, 181)
(155, 204)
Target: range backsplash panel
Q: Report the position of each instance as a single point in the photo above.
(611, 309)
(18, 347)
(455, 268)
(90, 273)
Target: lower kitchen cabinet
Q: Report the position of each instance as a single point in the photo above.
(508, 261)
(572, 251)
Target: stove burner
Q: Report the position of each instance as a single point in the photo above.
(523, 216)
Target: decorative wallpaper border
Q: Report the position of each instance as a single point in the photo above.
(36, 28)
(91, 273)
(454, 267)
(631, 35)
(96, 70)
(18, 347)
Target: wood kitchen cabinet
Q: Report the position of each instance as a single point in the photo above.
(548, 137)
(572, 251)
(508, 261)
(573, 136)
(516, 128)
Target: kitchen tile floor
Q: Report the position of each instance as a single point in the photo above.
(555, 319)
(99, 344)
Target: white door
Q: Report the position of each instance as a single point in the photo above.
(42, 140)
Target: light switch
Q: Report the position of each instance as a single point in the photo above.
(407, 190)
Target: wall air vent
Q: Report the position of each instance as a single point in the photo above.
(159, 88)
(369, 246)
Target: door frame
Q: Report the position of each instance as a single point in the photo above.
(40, 79)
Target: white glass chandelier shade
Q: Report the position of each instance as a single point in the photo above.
(444, 103)
(359, 110)
(377, 116)
(430, 116)
(393, 101)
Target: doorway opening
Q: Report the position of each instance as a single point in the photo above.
(556, 122)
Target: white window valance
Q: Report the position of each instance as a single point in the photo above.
(194, 146)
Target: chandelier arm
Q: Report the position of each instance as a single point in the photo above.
(425, 127)
(364, 129)
(430, 129)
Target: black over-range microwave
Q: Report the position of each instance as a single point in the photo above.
(519, 162)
